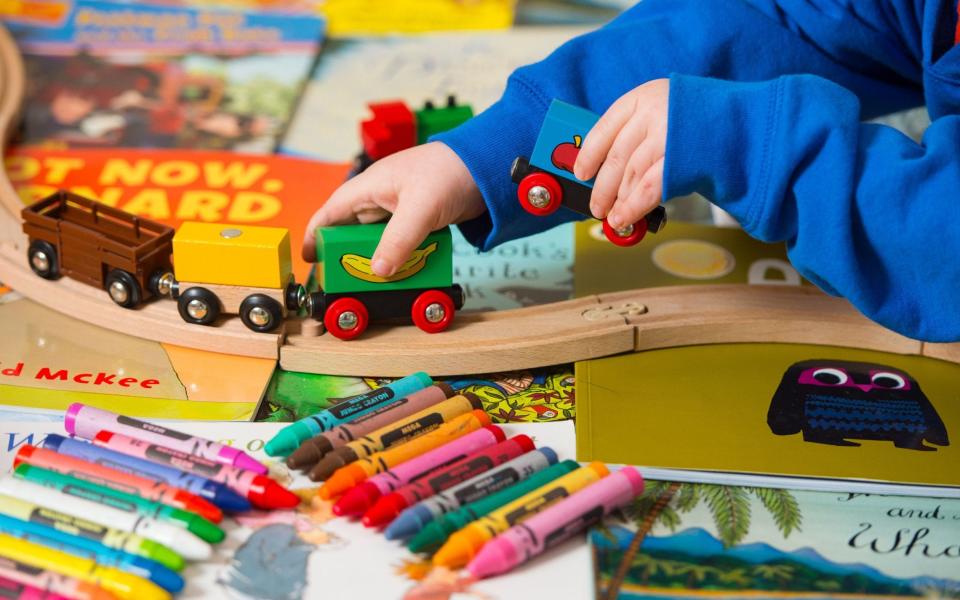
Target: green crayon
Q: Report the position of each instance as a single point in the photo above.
(435, 533)
(194, 523)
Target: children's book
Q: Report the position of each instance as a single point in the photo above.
(679, 254)
(693, 540)
(776, 415)
(534, 396)
(106, 74)
(310, 553)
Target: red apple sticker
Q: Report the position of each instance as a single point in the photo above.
(565, 154)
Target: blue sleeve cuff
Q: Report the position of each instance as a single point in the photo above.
(487, 144)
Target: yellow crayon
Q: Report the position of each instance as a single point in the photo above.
(346, 477)
(464, 544)
(120, 584)
(396, 433)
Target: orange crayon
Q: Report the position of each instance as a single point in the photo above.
(346, 477)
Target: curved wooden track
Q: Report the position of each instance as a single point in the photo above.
(497, 341)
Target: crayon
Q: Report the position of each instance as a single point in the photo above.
(359, 499)
(312, 450)
(57, 585)
(386, 509)
(556, 524)
(215, 492)
(290, 437)
(14, 590)
(72, 544)
(435, 533)
(194, 523)
(122, 541)
(187, 544)
(122, 585)
(415, 518)
(464, 544)
(86, 421)
(396, 433)
(354, 473)
(260, 490)
(150, 489)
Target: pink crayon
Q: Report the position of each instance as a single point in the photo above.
(557, 523)
(15, 590)
(360, 498)
(86, 422)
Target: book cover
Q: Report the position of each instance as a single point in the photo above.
(680, 254)
(113, 74)
(782, 415)
(690, 540)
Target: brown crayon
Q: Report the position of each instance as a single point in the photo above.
(311, 451)
(396, 433)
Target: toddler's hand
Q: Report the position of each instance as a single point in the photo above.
(426, 187)
(625, 151)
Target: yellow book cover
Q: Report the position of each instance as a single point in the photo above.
(776, 415)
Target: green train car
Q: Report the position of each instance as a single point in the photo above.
(351, 296)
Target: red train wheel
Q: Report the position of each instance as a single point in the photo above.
(539, 194)
(623, 238)
(433, 311)
(346, 318)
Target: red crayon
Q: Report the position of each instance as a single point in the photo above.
(117, 480)
(260, 490)
(388, 507)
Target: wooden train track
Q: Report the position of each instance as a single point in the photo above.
(556, 333)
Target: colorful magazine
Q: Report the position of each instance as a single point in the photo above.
(112, 74)
(691, 540)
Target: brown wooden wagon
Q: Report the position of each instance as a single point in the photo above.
(99, 245)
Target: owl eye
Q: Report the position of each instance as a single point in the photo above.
(830, 376)
(891, 381)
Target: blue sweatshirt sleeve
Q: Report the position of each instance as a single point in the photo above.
(866, 212)
(651, 40)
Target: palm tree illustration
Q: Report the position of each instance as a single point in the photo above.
(777, 573)
(662, 502)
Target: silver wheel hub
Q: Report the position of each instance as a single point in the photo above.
(625, 231)
(40, 261)
(435, 312)
(119, 292)
(165, 284)
(259, 316)
(197, 309)
(539, 196)
(347, 320)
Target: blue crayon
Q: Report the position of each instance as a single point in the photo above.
(415, 518)
(213, 491)
(39, 533)
(290, 437)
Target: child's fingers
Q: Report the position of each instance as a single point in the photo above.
(614, 166)
(596, 146)
(339, 208)
(643, 157)
(642, 199)
(408, 227)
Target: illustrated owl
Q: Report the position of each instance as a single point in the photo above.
(832, 400)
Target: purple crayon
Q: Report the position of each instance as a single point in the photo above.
(557, 523)
(86, 422)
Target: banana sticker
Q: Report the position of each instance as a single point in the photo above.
(359, 266)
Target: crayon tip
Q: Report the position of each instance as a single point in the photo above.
(496, 557)
(273, 495)
(341, 481)
(459, 549)
(246, 462)
(157, 573)
(288, 439)
(205, 530)
(198, 505)
(429, 539)
(357, 501)
(409, 523)
(384, 511)
(328, 465)
(163, 555)
(70, 418)
(309, 453)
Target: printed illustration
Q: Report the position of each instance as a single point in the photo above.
(832, 400)
(271, 563)
(690, 541)
(565, 154)
(360, 267)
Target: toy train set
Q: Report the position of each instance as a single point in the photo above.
(213, 269)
